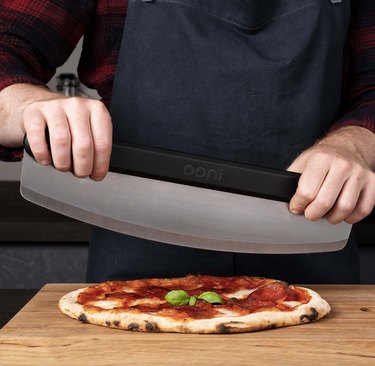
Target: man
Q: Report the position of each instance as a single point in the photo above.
(242, 80)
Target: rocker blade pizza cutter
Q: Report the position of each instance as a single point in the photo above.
(186, 200)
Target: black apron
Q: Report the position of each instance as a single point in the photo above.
(252, 81)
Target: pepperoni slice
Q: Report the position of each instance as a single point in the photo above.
(298, 294)
(276, 291)
(252, 304)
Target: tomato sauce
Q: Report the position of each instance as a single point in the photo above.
(268, 295)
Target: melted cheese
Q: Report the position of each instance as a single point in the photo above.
(241, 294)
(291, 303)
(106, 304)
(129, 290)
(226, 312)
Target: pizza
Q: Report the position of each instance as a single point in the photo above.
(195, 304)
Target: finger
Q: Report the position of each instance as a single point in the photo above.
(82, 144)
(298, 164)
(101, 127)
(328, 193)
(309, 185)
(346, 202)
(60, 140)
(365, 205)
(35, 127)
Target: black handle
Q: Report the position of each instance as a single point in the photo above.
(203, 172)
(27, 147)
(199, 171)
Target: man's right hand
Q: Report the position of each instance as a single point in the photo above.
(80, 132)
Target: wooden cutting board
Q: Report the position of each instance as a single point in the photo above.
(40, 335)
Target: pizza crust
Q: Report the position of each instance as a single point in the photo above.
(314, 310)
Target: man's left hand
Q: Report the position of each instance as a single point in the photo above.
(338, 179)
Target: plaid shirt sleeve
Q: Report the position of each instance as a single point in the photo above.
(36, 37)
(358, 107)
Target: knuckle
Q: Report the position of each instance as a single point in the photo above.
(34, 126)
(344, 164)
(76, 102)
(345, 206)
(84, 143)
(61, 139)
(103, 146)
(305, 194)
(99, 108)
(321, 156)
(365, 210)
(83, 149)
(358, 176)
(53, 107)
(32, 109)
(98, 104)
(324, 203)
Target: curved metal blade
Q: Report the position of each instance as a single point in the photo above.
(179, 214)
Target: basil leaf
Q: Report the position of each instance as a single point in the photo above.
(211, 297)
(192, 300)
(177, 297)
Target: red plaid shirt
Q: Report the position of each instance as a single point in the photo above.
(37, 36)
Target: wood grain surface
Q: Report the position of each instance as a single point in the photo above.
(40, 335)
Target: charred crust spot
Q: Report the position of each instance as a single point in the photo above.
(116, 323)
(151, 327)
(83, 318)
(310, 318)
(133, 326)
(271, 326)
(228, 328)
(108, 323)
(222, 328)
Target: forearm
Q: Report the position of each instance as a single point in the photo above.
(13, 101)
(359, 144)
